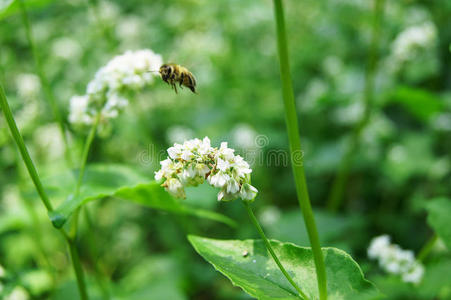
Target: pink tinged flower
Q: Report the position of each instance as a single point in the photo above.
(248, 192)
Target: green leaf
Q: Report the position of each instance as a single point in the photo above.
(118, 181)
(421, 103)
(154, 196)
(439, 212)
(248, 265)
(11, 7)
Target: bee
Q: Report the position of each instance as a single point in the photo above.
(173, 74)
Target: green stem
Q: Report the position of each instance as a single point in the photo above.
(296, 151)
(427, 248)
(336, 195)
(37, 182)
(23, 150)
(78, 269)
(45, 83)
(271, 251)
(85, 154)
(84, 159)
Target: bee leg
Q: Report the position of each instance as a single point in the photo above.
(175, 88)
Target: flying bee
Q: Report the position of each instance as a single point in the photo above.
(173, 74)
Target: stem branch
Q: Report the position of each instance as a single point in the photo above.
(295, 150)
(40, 189)
(427, 248)
(271, 251)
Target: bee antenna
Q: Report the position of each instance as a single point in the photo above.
(154, 71)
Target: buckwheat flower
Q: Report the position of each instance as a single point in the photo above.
(28, 85)
(414, 39)
(414, 274)
(78, 110)
(395, 260)
(378, 246)
(196, 161)
(107, 94)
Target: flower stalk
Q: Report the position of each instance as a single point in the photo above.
(295, 147)
(40, 189)
(271, 250)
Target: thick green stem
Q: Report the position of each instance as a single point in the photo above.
(37, 182)
(296, 151)
(336, 195)
(271, 251)
(45, 83)
(23, 150)
(427, 248)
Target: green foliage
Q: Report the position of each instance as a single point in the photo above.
(248, 265)
(11, 7)
(122, 182)
(439, 212)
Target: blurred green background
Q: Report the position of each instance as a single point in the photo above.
(403, 158)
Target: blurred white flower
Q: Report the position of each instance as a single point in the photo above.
(18, 293)
(129, 28)
(442, 122)
(48, 139)
(107, 92)
(2, 271)
(395, 260)
(78, 110)
(351, 113)
(244, 136)
(178, 134)
(66, 48)
(413, 39)
(28, 85)
(269, 215)
(108, 11)
(194, 161)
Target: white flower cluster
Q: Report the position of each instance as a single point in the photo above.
(414, 39)
(107, 92)
(195, 161)
(395, 260)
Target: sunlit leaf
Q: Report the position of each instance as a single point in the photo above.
(11, 7)
(248, 265)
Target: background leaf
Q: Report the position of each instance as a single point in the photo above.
(11, 7)
(125, 183)
(258, 275)
(439, 218)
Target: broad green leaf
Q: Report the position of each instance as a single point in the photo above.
(121, 182)
(248, 265)
(421, 103)
(11, 7)
(439, 218)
